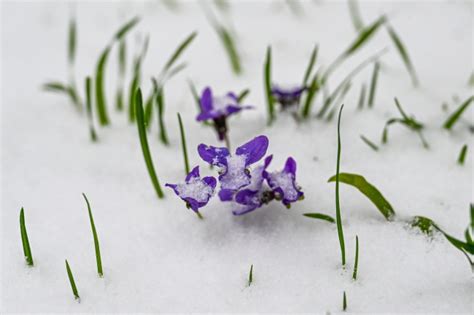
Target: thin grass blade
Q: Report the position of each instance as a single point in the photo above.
(72, 282)
(355, 15)
(373, 84)
(356, 259)
(72, 41)
(183, 145)
(242, 95)
(126, 28)
(92, 132)
(320, 216)
(229, 44)
(100, 99)
(369, 143)
(250, 275)
(267, 70)
(312, 62)
(179, 51)
(462, 155)
(24, 240)
(362, 97)
(98, 257)
(340, 231)
(454, 117)
(344, 302)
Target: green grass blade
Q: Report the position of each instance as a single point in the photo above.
(183, 145)
(311, 94)
(160, 101)
(195, 95)
(179, 51)
(320, 216)
(312, 62)
(229, 44)
(150, 101)
(242, 95)
(100, 99)
(134, 84)
(369, 190)
(98, 257)
(250, 275)
(364, 36)
(369, 143)
(403, 54)
(355, 15)
(60, 88)
(470, 82)
(462, 155)
(71, 281)
(72, 40)
(356, 259)
(144, 144)
(340, 231)
(339, 99)
(92, 132)
(24, 240)
(454, 117)
(267, 70)
(126, 28)
(373, 84)
(344, 302)
(122, 65)
(362, 97)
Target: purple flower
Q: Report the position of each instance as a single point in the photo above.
(218, 109)
(234, 168)
(195, 191)
(287, 96)
(283, 183)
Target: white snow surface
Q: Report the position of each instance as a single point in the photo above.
(157, 255)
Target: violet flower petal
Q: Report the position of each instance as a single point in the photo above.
(213, 155)
(253, 150)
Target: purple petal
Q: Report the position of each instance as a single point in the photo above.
(207, 115)
(254, 150)
(290, 166)
(243, 209)
(210, 181)
(195, 205)
(233, 96)
(194, 173)
(246, 197)
(213, 155)
(206, 100)
(226, 194)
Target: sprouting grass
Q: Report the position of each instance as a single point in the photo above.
(92, 132)
(126, 28)
(122, 66)
(320, 216)
(408, 121)
(373, 84)
(403, 54)
(136, 79)
(250, 275)
(24, 239)
(72, 41)
(98, 257)
(144, 144)
(312, 62)
(356, 259)
(340, 232)
(340, 98)
(462, 155)
(242, 95)
(72, 282)
(344, 302)
(183, 145)
(150, 101)
(362, 96)
(355, 15)
(369, 190)
(369, 143)
(178, 52)
(454, 117)
(267, 74)
(60, 88)
(160, 103)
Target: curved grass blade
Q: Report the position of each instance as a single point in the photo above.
(369, 190)
(320, 216)
(183, 146)
(462, 155)
(362, 97)
(356, 259)
(373, 84)
(144, 144)
(71, 43)
(250, 275)
(98, 257)
(355, 15)
(403, 53)
(267, 71)
(230, 47)
(92, 132)
(313, 90)
(179, 51)
(150, 101)
(160, 101)
(454, 117)
(58, 87)
(242, 95)
(24, 240)
(100, 99)
(72, 282)
(369, 143)
(312, 62)
(340, 231)
(122, 63)
(126, 28)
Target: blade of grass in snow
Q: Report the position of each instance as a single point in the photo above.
(250, 275)
(320, 216)
(100, 99)
(160, 103)
(403, 54)
(369, 190)
(126, 28)
(340, 232)
(312, 62)
(267, 74)
(72, 282)
(462, 155)
(470, 82)
(144, 144)
(122, 58)
(362, 96)
(339, 99)
(229, 44)
(71, 43)
(179, 51)
(242, 95)
(355, 15)
(329, 100)
(58, 87)
(311, 94)
(183, 145)
(150, 101)
(454, 117)
(344, 302)
(373, 84)
(369, 143)
(24, 240)
(356, 259)
(98, 258)
(136, 79)
(92, 132)
(222, 5)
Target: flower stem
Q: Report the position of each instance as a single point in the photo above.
(199, 215)
(227, 142)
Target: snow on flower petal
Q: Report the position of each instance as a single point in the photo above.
(213, 155)
(283, 182)
(253, 150)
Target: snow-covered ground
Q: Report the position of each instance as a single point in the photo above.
(157, 255)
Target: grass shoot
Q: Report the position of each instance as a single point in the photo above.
(72, 282)
(24, 240)
(344, 302)
(462, 155)
(373, 84)
(320, 216)
(340, 231)
(96, 238)
(454, 117)
(250, 275)
(267, 71)
(356, 259)
(369, 143)
(183, 145)
(92, 132)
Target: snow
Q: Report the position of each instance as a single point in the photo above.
(285, 182)
(196, 189)
(157, 255)
(235, 174)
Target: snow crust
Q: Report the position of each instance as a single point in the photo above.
(196, 189)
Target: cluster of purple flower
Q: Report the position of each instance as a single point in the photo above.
(244, 187)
